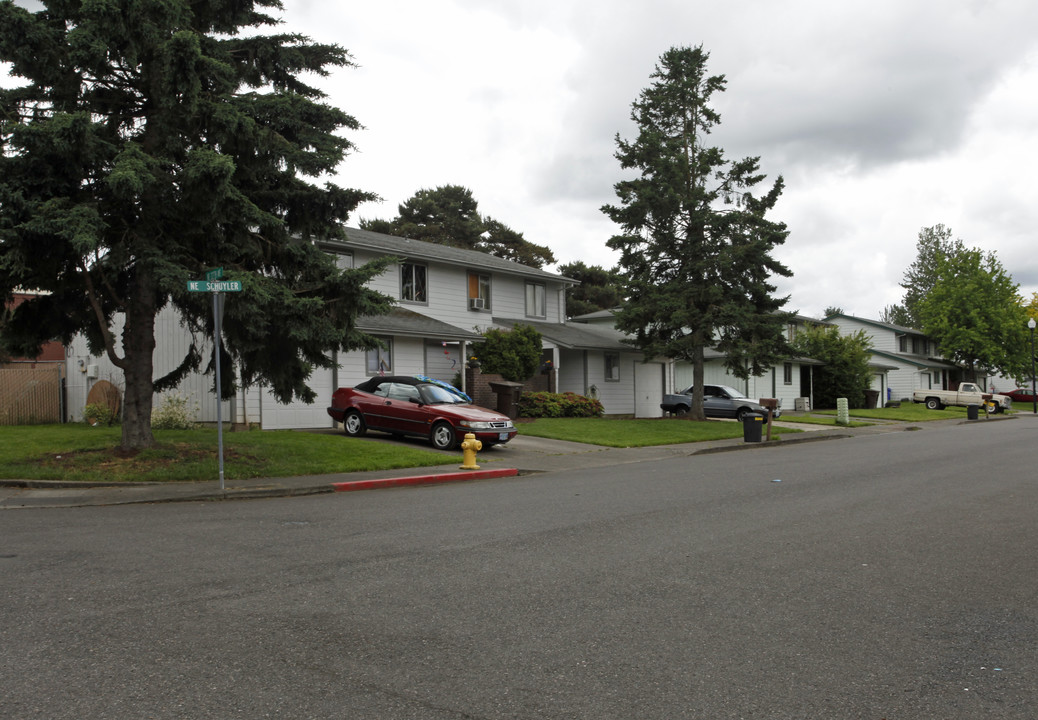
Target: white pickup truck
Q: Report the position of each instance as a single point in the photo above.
(967, 394)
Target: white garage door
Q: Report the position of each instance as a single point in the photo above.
(297, 414)
(648, 389)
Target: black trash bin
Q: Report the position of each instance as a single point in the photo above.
(751, 427)
(972, 412)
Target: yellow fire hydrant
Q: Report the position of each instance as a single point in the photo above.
(468, 449)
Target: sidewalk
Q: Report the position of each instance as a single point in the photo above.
(522, 456)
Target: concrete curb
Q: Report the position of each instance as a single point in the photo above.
(352, 485)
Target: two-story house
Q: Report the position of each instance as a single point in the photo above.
(904, 359)
(790, 382)
(445, 298)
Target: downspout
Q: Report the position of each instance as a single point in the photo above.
(464, 365)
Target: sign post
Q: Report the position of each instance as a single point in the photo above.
(213, 284)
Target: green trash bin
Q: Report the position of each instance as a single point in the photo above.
(751, 427)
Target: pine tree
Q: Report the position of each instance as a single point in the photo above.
(696, 249)
(150, 142)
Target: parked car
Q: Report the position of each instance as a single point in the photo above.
(719, 401)
(419, 407)
(1020, 395)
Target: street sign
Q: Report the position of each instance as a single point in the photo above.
(214, 286)
(215, 274)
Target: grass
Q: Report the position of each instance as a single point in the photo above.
(79, 452)
(908, 412)
(636, 433)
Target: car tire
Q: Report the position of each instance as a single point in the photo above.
(681, 410)
(933, 404)
(353, 424)
(741, 414)
(443, 436)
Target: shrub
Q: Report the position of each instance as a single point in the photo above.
(514, 354)
(174, 414)
(99, 414)
(567, 404)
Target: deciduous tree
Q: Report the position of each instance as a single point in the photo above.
(845, 373)
(449, 215)
(151, 141)
(696, 248)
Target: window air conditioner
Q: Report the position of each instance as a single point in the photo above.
(477, 304)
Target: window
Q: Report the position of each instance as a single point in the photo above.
(902, 343)
(787, 373)
(380, 360)
(535, 300)
(791, 331)
(413, 284)
(612, 367)
(479, 291)
(918, 346)
(343, 260)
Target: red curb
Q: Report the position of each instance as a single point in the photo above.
(423, 479)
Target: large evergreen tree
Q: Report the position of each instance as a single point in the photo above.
(696, 249)
(149, 142)
(449, 215)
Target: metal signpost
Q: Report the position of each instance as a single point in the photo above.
(213, 284)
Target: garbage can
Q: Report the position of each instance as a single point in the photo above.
(507, 397)
(972, 412)
(871, 398)
(751, 427)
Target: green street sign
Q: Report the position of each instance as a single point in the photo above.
(213, 286)
(214, 274)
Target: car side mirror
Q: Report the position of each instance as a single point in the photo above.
(416, 401)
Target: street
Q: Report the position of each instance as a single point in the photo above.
(888, 576)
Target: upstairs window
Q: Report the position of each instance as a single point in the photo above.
(413, 284)
(535, 300)
(479, 291)
(343, 260)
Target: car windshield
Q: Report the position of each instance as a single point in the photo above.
(732, 392)
(435, 395)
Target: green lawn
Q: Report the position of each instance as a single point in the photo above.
(77, 451)
(636, 433)
(908, 412)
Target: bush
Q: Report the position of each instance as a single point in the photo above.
(174, 414)
(514, 354)
(567, 404)
(99, 414)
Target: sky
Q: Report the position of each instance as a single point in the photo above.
(882, 117)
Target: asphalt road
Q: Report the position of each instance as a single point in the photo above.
(887, 576)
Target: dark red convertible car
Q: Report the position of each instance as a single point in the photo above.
(418, 407)
(1020, 395)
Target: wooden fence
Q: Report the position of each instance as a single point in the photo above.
(31, 393)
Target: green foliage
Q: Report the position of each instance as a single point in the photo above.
(975, 314)
(599, 289)
(846, 371)
(897, 315)
(513, 354)
(568, 404)
(175, 413)
(150, 142)
(449, 215)
(96, 414)
(696, 248)
(933, 244)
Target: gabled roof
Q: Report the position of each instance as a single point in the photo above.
(383, 244)
(876, 323)
(407, 323)
(575, 336)
(917, 360)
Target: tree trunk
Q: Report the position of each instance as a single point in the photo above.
(139, 349)
(698, 374)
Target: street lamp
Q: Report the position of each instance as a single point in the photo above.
(1034, 398)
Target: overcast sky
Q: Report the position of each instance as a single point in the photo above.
(884, 117)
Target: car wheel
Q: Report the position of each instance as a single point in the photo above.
(741, 414)
(353, 424)
(933, 404)
(681, 410)
(443, 437)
